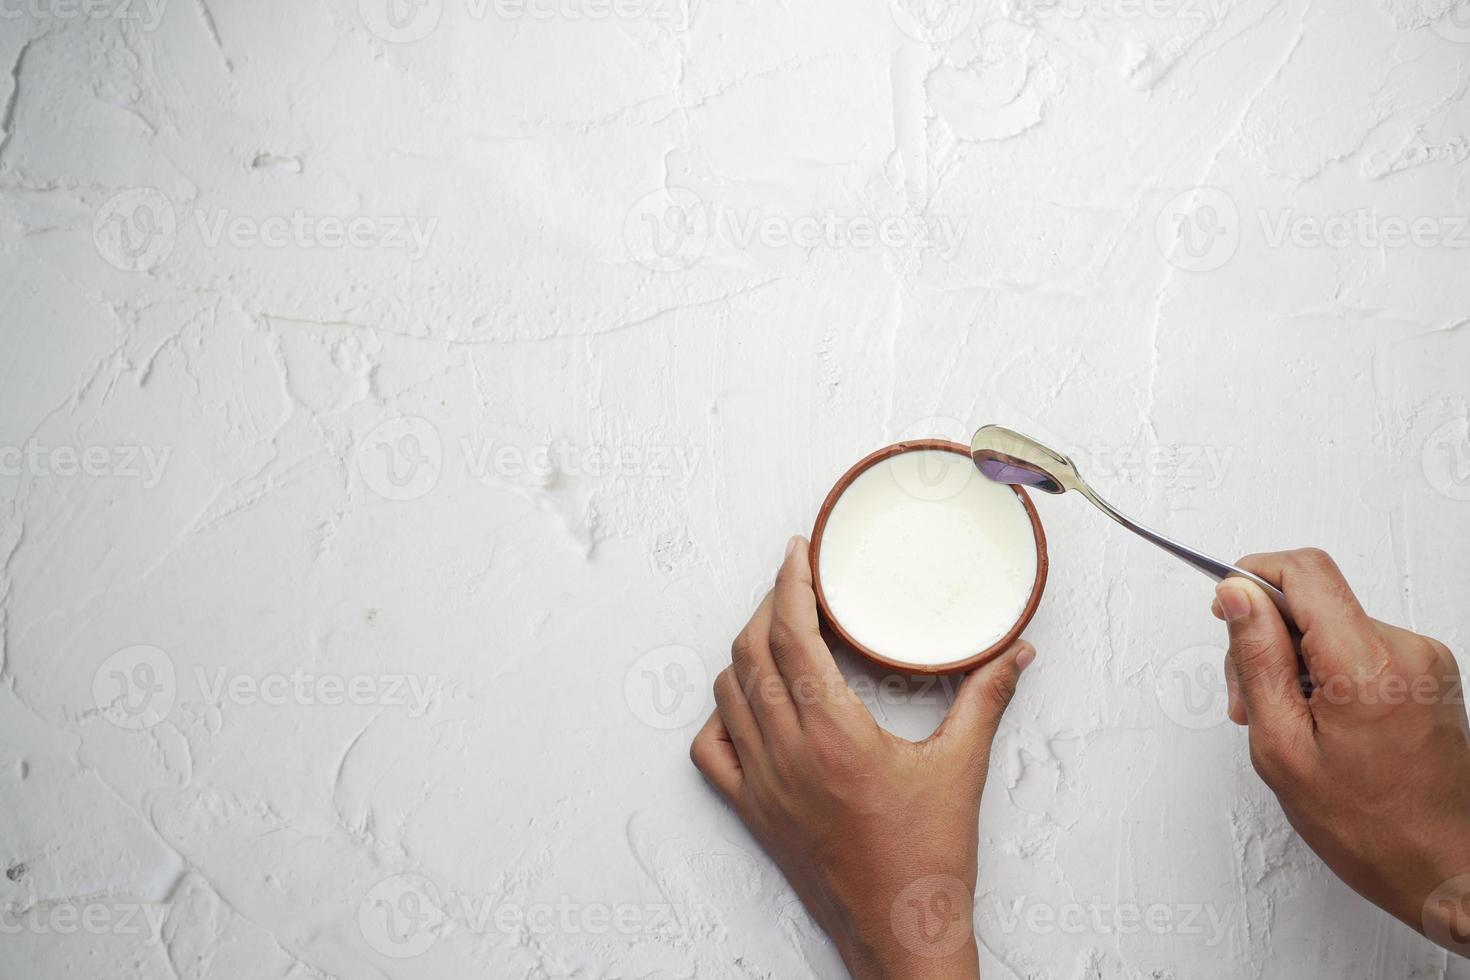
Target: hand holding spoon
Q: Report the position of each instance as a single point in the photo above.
(1007, 456)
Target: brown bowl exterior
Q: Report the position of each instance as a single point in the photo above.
(959, 666)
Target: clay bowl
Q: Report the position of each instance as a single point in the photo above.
(954, 667)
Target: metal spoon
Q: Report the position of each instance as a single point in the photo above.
(1007, 456)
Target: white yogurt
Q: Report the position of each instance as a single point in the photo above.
(925, 561)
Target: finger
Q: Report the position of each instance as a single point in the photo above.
(1264, 660)
(1235, 709)
(734, 710)
(1337, 635)
(801, 656)
(755, 669)
(969, 728)
(713, 754)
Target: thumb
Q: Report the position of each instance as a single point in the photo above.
(1261, 656)
(969, 727)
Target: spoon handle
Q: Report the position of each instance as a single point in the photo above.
(1212, 567)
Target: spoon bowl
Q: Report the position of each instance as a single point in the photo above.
(1007, 456)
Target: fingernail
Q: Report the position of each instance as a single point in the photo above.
(1235, 602)
(1024, 658)
(1216, 610)
(791, 545)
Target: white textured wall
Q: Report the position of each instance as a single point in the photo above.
(202, 389)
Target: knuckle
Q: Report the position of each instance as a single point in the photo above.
(1263, 761)
(1444, 653)
(785, 638)
(742, 650)
(699, 752)
(1252, 655)
(1275, 757)
(729, 691)
(1313, 560)
(789, 638)
(1001, 688)
(725, 686)
(784, 574)
(1342, 592)
(1271, 760)
(807, 689)
(1421, 657)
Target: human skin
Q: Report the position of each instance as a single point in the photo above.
(1372, 767)
(879, 836)
(876, 834)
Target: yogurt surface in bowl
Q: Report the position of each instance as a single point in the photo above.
(924, 561)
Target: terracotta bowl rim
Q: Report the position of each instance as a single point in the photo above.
(1038, 586)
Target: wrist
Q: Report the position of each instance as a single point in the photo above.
(923, 930)
(866, 962)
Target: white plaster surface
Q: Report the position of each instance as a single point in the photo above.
(319, 717)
